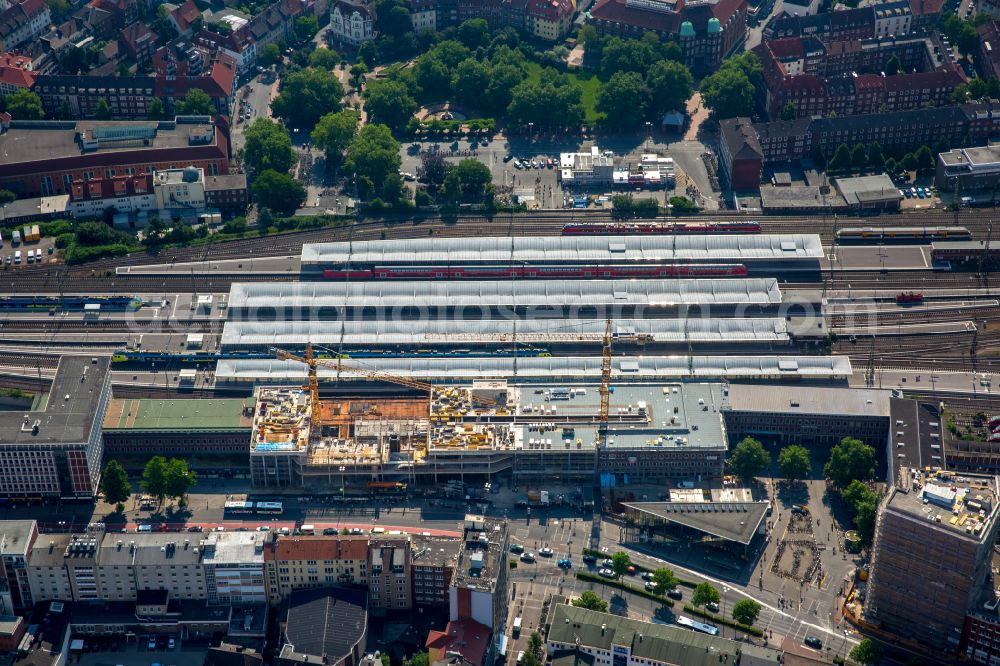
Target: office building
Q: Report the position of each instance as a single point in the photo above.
(740, 157)
(478, 589)
(55, 451)
(808, 415)
(582, 636)
(938, 529)
(234, 567)
(17, 538)
(47, 157)
(968, 171)
(213, 427)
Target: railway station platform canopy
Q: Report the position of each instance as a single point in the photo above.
(533, 369)
(256, 335)
(305, 297)
(562, 250)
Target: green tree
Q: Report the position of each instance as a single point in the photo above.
(269, 55)
(418, 659)
(856, 494)
(925, 160)
(432, 170)
(746, 611)
(794, 463)
(850, 460)
(358, 72)
(267, 146)
(535, 643)
(841, 160)
(728, 93)
(389, 102)
(749, 458)
(6, 197)
(893, 66)
(154, 478)
(623, 100)
(474, 176)
(627, 55)
(103, 110)
(393, 190)
(179, 479)
(115, 485)
(474, 33)
(682, 205)
(278, 191)
(553, 101)
(789, 112)
(859, 157)
(664, 579)
(909, 162)
(864, 520)
(306, 27)
(155, 110)
(334, 133)
(704, 594)
(451, 188)
(620, 563)
(471, 79)
(891, 166)
(324, 58)
(24, 105)
(591, 601)
(196, 103)
(866, 652)
(373, 154)
(876, 159)
(669, 85)
(306, 96)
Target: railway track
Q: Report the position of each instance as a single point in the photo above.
(109, 325)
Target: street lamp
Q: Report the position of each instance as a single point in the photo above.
(342, 470)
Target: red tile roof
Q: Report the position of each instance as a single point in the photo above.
(920, 7)
(353, 547)
(15, 70)
(185, 15)
(467, 637)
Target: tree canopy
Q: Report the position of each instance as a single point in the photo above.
(306, 96)
(115, 485)
(550, 102)
(195, 103)
(324, 58)
(24, 105)
(866, 652)
(669, 86)
(334, 133)
(850, 460)
(389, 102)
(620, 563)
(278, 192)
(373, 154)
(591, 601)
(623, 100)
(746, 611)
(664, 579)
(267, 145)
(749, 458)
(704, 594)
(794, 462)
(729, 91)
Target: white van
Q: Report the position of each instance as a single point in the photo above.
(308, 530)
(516, 630)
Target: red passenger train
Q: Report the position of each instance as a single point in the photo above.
(625, 228)
(537, 272)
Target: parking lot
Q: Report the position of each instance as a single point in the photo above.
(136, 653)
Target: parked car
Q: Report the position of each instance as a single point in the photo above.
(674, 593)
(607, 573)
(647, 575)
(564, 564)
(589, 559)
(171, 644)
(606, 562)
(516, 548)
(329, 531)
(712, 606)
(650, 587)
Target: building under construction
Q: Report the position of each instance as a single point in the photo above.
(474, 432)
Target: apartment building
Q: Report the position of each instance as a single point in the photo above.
(478, 589)
(234, 567)
(351, 22)
(390, 582)
(433, 566)
(707, 32)
(55, 451)
(741, 159)
(16, 73)
(23, 22)
(938, 529)
(303, 562)
(17, 538)
(43, 158)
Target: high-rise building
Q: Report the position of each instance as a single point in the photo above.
(938, 529)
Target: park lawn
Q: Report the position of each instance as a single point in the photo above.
(588, 82)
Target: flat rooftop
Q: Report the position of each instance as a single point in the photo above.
(677, 416)
(15, 536)
(234, 548)
(964, 505)
(548, 369)
(565, 249)
(731, 521)
(179, 415)
(377, 334)
(483, 553)
(397, 298)
(916, 431)
(58, 139)
(68, 415)
(786, 399)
